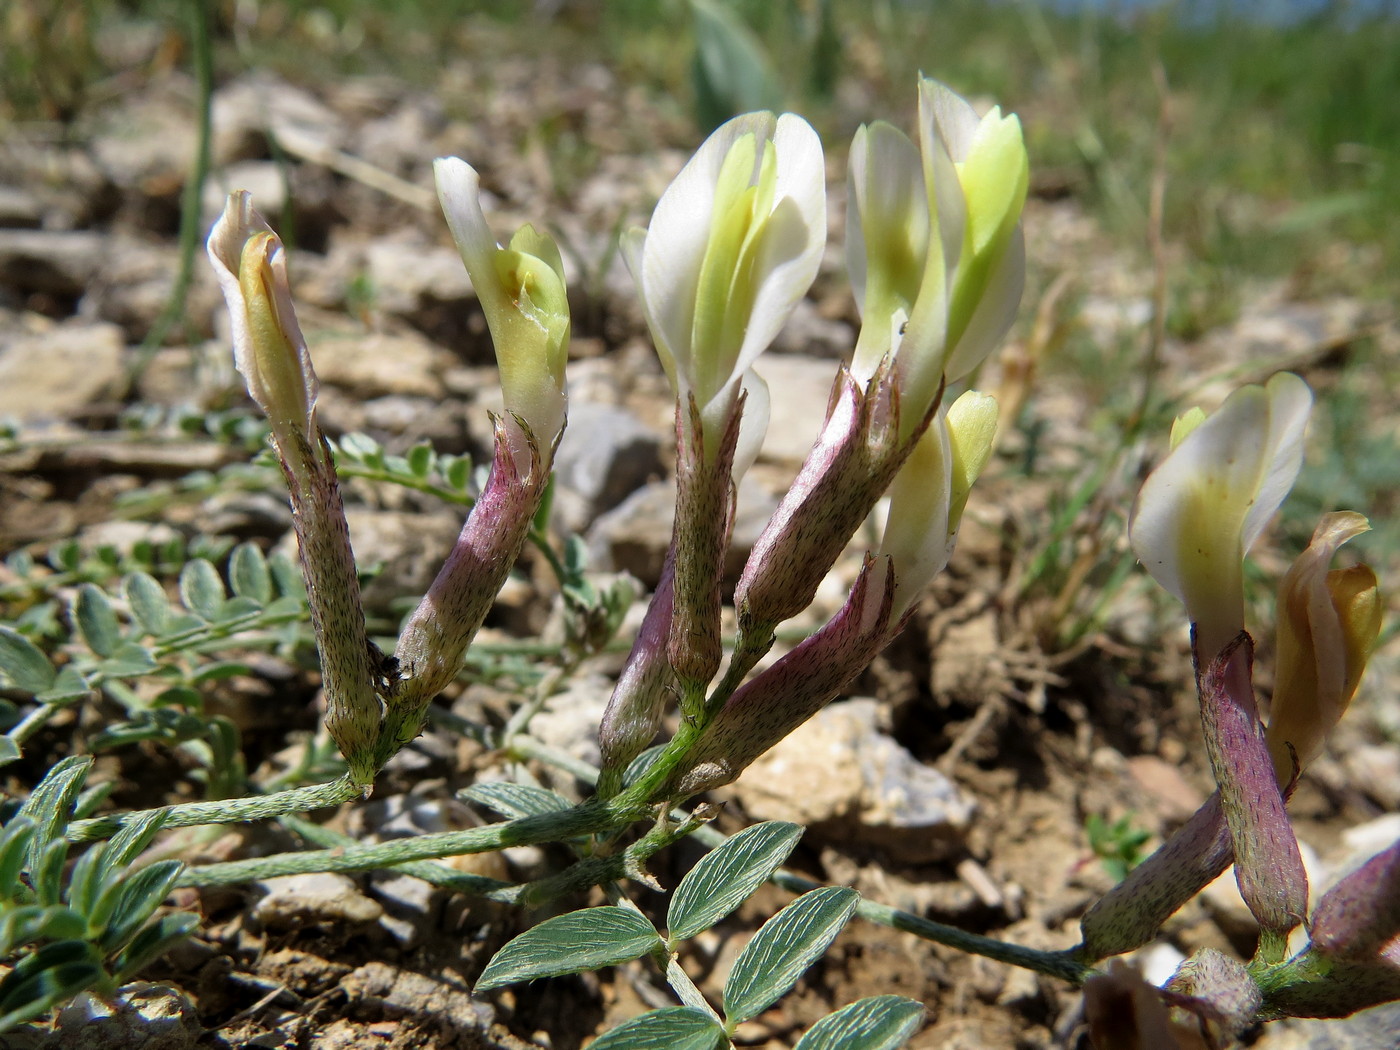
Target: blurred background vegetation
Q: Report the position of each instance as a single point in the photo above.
(1284, 127)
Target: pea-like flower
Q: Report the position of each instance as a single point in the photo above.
(733, 245)
(934, 243)
(271, 354)
(1204, 506)
(521, 290)
(929, 494)
(269, 350)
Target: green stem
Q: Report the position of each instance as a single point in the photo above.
(31, 723)
(438, 874)
(1055, 964)
(225, 811)
(586, 819)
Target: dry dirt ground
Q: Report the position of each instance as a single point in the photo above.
(1029, 734)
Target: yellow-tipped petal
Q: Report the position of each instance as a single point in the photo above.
(1200, 511)
(521, 290)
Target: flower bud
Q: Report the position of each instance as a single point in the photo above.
(271, 354)
(521, 290)
(1327, 624)
(268, 348)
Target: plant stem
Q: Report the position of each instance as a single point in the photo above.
(586, 819)
(31, 723)
(438, 874)
(225, 811)
(1055, 964)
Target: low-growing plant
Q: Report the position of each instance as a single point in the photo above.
(935, 253)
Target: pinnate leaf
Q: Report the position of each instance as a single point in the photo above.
(783, 948)
(881, 1022)
(581, 940)
(724, 877)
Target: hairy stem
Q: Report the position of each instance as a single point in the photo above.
(586, 819)
(225, 811)
(1056, 964)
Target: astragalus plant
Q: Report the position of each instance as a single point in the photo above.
(936, 257)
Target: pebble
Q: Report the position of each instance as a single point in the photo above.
(140, 1016)
(799, 388)
(840, 771)
(294, 901)
(606, 454)
(59, 372)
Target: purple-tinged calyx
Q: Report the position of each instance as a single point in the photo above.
(1268, 864)
(778, 700)
(434, 642)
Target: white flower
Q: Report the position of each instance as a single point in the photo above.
(1204, 506)
(934, 243)
(733, 245)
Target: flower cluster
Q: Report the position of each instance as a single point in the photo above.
(936, 258)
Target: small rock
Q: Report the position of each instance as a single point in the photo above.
(141, 1017)
(1374, 1029)
(809, 333)
(246, 109)
(372, 364)
(19, 208)
(54, 263)
(135, 284)
(409, 548)
(1173, 798)
(123, 535)
(1158, 961)
(57, 373)
(293, 901)
(799, 388)
(403, 993)
(1375, 769)
(395, 141)
(606, 454)
(408, 276)
(570, 721)
(266, 180)
(838, 770)
(409, 906)
(146, 147)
